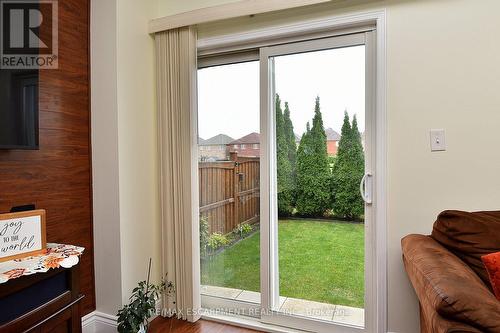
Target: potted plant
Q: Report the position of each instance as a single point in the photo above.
(134, 316)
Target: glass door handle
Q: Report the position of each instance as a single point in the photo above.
(365, 188)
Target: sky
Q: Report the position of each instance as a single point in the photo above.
(228, 96)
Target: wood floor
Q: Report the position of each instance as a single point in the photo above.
(164, 325)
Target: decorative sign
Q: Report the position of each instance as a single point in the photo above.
(22, 234)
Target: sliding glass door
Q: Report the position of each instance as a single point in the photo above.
(317, 127)
(229, 186)
(286, 164)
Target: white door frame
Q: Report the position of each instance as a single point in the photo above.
(325, 27)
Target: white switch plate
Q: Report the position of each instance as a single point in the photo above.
(438, 142)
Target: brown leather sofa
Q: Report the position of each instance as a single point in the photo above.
(446, 271)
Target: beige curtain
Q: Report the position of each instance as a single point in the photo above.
(176, 90)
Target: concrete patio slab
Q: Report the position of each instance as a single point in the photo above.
(220, 291)
(300, 307)
(309, 309)
(349, 315)
(249, 296)
(254, 297)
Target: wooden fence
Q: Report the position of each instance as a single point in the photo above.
(229, 192)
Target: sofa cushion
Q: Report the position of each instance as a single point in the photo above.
(492, 264)
(469, 236)
(447, 285)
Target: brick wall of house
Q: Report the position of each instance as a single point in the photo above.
(248, 150)
(217, 152)
(331, 147)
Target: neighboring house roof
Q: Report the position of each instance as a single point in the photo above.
(219, 139)
(201, 141)
(331, 135)
(249, 138)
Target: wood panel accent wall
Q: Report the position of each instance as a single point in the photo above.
(57, 177)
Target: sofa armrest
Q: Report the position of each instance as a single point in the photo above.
(446, 284)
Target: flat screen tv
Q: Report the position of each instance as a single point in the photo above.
(18, 109)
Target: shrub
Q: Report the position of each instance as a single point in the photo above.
(246, 228)
(204, 235)
(292, 150)
(331, 162)
(348, 170)
(284, 167)
(313, 170)
(217, 240)
(242, 229)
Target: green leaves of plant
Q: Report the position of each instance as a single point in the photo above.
(142, 305)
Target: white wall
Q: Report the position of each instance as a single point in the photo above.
(443, 71)
(137, 130)
(124, 149)
(105, 179)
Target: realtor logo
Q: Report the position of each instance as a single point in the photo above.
(29, 34)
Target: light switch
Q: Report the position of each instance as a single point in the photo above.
(438, 142)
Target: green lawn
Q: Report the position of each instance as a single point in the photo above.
(319, 261)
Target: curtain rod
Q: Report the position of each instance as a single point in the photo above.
(226, 11)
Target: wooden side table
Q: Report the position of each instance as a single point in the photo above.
(45, 300)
